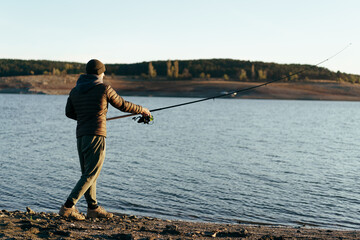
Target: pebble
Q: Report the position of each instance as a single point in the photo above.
(122, 236)
(209, 234)
(171, 229)
(62, 233)
(30, 211)
(34, 230)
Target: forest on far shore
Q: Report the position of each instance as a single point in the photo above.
(228, 69)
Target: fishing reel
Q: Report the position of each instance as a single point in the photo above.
(144, 119)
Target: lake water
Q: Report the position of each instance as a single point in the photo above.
(228, 160)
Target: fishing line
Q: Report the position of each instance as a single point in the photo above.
(232, 92)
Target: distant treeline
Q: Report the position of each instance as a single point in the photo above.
(227, 69)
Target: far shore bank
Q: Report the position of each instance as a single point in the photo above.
(133, 86)
(34, 225)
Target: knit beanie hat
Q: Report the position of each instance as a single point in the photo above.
(94, 66)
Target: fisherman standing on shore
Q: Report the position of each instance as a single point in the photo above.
(88, 104)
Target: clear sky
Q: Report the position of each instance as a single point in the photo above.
(119, 31)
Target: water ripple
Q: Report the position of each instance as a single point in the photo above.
(280, 162)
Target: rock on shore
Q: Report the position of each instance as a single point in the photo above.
(33, 225)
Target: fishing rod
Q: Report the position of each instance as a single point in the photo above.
(148, 119)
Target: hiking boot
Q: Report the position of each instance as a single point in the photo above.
(71, 213)
(99, 212)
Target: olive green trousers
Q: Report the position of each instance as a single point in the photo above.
(91, 151)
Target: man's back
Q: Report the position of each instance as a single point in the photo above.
(88, 104)
(89, 110)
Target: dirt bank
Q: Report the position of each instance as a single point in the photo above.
(31, 225)
(128, 86)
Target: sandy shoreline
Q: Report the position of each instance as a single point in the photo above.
(132, 86)
(32, 225)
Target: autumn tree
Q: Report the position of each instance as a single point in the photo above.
(292, 77)
(242, 75)
(176, 69)
(172, 70)
(253, 72)
(186, 74)
(169, 70)
(152, 71)
(262, 75)
(56, 71)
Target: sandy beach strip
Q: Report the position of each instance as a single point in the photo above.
(199, 88)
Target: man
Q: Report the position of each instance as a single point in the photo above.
(88, 104)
